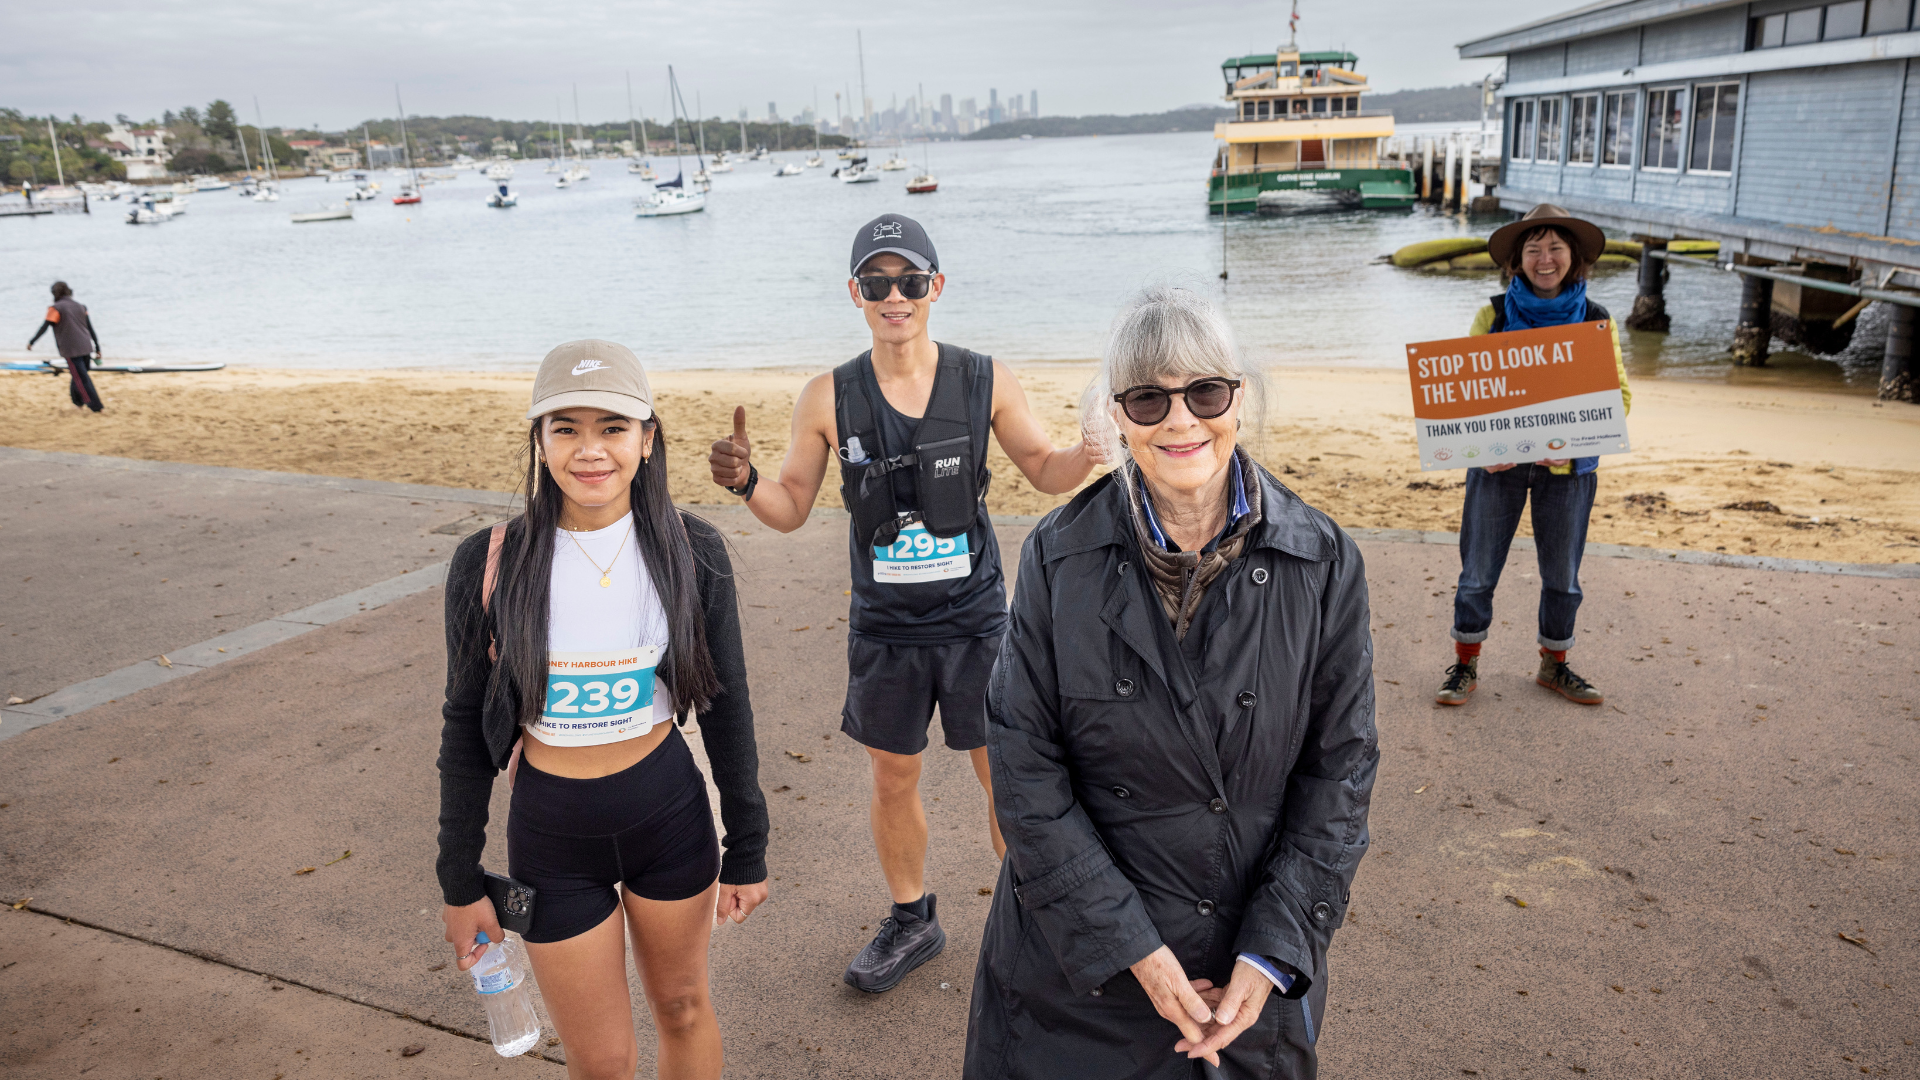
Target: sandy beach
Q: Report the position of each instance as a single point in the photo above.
(1791, 473)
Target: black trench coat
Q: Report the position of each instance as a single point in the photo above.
(1218, 812)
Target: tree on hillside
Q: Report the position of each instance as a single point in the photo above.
(190, 115)
(220, 120)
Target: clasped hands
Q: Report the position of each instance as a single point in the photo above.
(1209, 1017)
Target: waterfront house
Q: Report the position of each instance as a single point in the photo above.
(1788, 130)
(142, 150)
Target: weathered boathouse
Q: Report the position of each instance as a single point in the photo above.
(1788, 130)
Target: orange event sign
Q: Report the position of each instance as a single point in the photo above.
(1524, 395)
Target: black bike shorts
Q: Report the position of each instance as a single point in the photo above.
(648, 828)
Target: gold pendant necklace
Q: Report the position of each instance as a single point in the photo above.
(606, 572)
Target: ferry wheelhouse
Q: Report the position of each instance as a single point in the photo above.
(1300, 139)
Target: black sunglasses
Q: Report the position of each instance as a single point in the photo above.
(1206, 399)
(877, 287)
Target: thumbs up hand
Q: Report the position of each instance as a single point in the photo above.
(729, 457)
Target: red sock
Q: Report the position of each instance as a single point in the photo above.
(1467, 652)
(1559, 655)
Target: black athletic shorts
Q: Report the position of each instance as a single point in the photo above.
(892, 689)
(648, 827)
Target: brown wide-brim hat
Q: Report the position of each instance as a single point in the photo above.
(1589, 241)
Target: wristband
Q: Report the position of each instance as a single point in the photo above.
(753, 478)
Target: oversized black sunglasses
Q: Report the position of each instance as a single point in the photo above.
(1206, 399)
(877, 287)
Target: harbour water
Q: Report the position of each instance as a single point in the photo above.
(1041, 240)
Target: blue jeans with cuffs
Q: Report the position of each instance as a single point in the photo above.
(1488, 519)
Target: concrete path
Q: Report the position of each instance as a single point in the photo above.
(1687, 858)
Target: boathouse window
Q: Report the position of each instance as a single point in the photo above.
(1547, 147)
(1522, 131)
(1887, 16)
(1319, 105)
(1803, 26)
(1265, 109)
(1844, 20)
(1616, 134)
(1583, 121)
(1716, 111)
(1666, 120)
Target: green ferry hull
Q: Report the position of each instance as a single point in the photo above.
(1283, 192)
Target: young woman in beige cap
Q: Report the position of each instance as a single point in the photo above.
(589, 625)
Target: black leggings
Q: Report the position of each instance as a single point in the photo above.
(649, 828)
(80, 381)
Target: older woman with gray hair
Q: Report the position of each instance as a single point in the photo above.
(1181, 731)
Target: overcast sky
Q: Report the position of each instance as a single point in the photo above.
(334, 63)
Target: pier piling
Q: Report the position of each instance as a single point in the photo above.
(1650, 305)
(1897, 363)
(1426, 168)
(1754, 331)
(1446, 183)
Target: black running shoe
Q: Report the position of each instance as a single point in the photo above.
(903, 943)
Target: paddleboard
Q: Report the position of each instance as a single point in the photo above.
(129, 368)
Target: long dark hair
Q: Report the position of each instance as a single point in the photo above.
(521, 596)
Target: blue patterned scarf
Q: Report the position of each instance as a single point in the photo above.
(1525, 310)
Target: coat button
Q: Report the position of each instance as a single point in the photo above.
(1124, 688)
(1096, 991)
(1246, 699)
(1322, 911)
(1259, 575)
(1204, 907)
(1218, 806)
(1121, 793)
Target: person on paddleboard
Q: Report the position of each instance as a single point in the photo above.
(908, 421)
(79, 346)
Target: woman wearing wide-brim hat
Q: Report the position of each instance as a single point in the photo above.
(1546, 256)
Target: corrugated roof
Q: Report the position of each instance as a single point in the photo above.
(1585, 21)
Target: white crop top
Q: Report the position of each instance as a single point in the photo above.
(603, 643)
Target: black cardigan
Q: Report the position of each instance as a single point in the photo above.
(477, 736)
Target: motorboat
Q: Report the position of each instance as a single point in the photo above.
(178, 187)
(893, 164)
(642, 170)
(789, 169)
(500, 170)
(665, 201)
(847, 153)
(267, 192)
(364, 193)
(702, 181)
(857, 171)
(814, 162)
(556, 165)
(440, 175)
(335, 212)
(924, 184)
(576, 175)
(407, 197)
(503, 198)
(720, 164)
(152, 211)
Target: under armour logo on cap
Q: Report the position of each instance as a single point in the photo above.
(887, 230)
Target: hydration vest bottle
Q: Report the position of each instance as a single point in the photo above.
(505, 985)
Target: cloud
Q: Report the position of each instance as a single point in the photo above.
(336, 63)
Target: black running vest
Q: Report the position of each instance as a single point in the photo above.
(934, 469)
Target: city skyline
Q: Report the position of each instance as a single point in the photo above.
(1126, 57)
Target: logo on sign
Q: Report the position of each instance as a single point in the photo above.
(1524, 446)
(1498, 449)
(1443, 454)
(1556, 444)
(1471, 452)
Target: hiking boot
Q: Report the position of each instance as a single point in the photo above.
(1462, 677)
(1555, 675)
(903, 943)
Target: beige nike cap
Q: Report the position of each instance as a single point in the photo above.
(592, 374)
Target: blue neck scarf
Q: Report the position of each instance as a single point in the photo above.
(1525, 311)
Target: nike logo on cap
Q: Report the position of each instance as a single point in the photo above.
(585, 366)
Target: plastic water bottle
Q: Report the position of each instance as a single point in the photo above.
(502, 978)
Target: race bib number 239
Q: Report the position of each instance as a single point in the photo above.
(918, 555)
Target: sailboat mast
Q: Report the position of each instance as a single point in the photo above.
(579, 133)
(702, 121)
(866, 110)
(673, 106)
(53, 141)
(405, 146)
(260, 127)
(629, 106)
(743, 138)
(245, 159)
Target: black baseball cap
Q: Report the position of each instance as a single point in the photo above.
(897, 234)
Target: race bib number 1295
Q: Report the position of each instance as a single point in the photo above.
(918, 555)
